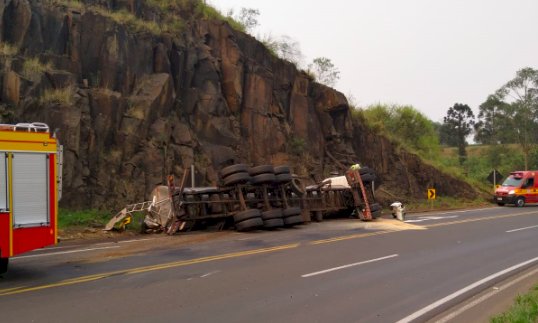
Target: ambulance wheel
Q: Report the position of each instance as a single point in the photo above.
(3, 265)
(520, 202)
(500, 204)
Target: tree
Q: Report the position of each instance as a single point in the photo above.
(521, 93)
(459, 121)
(247, 17)
(494, 122)
(324, 71)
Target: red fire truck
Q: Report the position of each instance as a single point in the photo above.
(30, 187)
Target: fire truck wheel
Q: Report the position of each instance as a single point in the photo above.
(297, 187)
(283, 178)
(284, 169)
(293, 220)
(238, 168)
(520, 202)
(246, 215)
(263, 178)
(272, 214)
(500, 204)
(291, 211)
(249, 224)
(273, 223)
(3, 265)
(368, 177)
(263, 169)
(237, 178)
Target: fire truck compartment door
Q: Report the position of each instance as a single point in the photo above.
(30, 189)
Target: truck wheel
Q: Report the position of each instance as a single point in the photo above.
(3, 265)
(272, 214)
(520, 202)
(249, 224)
(284, 169)
(237, 178)
(237, 168)
(273, 223)
(263, 179)
(263, 169)
(297, 187)
(293, 220)
(283, 178)
(500, 204)
(291, 211)
(246, 215)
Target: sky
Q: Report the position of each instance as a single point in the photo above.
(429, 54)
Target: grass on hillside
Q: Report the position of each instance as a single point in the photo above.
(524, 309)
(32, 68)
(7, 49)
(62, 96)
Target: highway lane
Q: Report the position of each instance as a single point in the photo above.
(335, 271)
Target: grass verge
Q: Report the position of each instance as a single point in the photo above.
(87, 218)
(525, 309)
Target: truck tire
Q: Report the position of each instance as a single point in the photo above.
(249, 224)
(291, 211)
(263, 169)
(284, 169)
(237, 168)
(237, 178)
(263, 178)
(365, 170)
(297, 187)
(293, 220)
(283, 178)
(246, 215)
(520, 201)
(273, 223)
(368, 177)
(3, 265)
(272, 214)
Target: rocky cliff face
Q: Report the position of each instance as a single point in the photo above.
(137, 106)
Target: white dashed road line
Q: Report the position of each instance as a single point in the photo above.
(347, 266)
(520, 229)
(63, 252)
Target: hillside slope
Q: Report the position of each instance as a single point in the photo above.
(134, 103)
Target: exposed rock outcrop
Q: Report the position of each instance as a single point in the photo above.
(147, 105)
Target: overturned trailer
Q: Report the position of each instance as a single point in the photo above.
(251, 198)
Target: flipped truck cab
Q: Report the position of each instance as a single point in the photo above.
(519, 188)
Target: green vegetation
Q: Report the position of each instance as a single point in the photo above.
(88, 218)
(32, 68)
(525, 309)
(62, 96)
(406, 125)
(7, 49)
(442, 202)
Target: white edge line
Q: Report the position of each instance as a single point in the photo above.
(63, 252)
(450, 297)
(525, 228)
(347, 266)
(484, 297)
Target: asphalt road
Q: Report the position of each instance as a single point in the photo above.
(334, 271)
